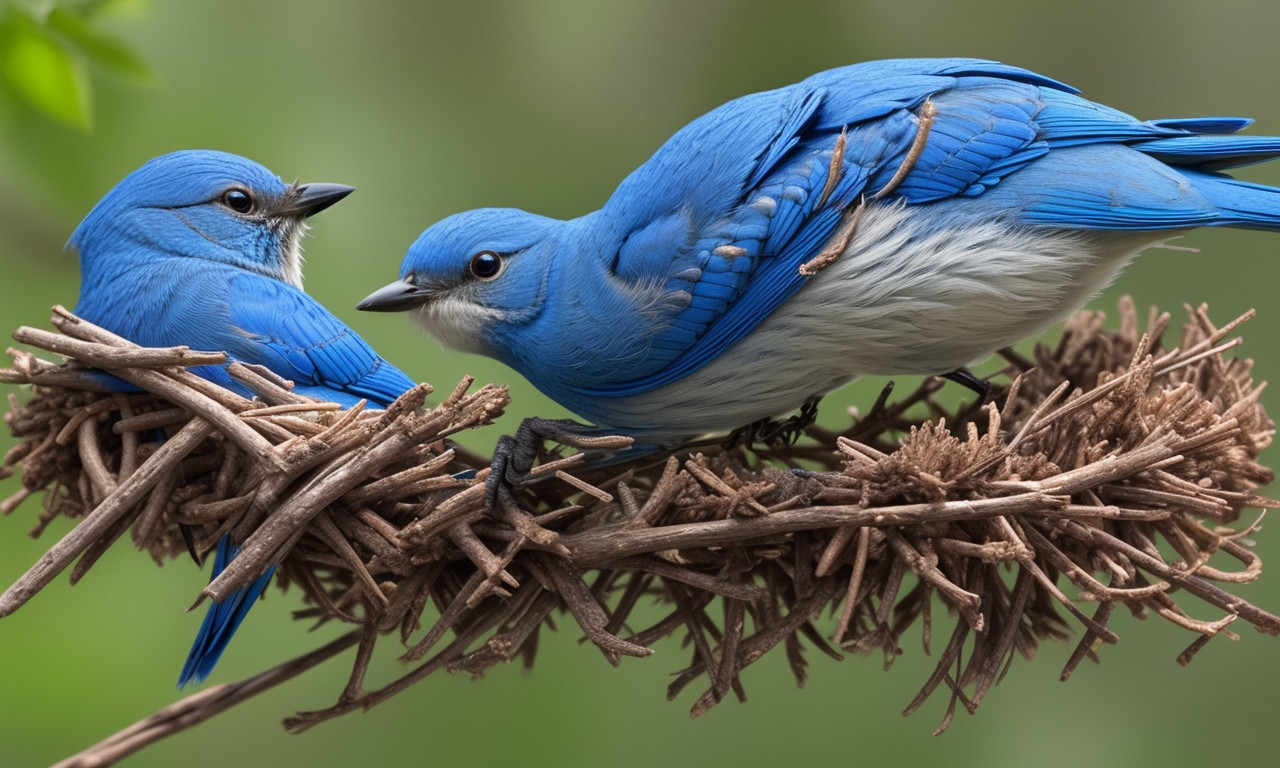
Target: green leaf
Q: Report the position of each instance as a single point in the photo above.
(100, 47)
(44, 72)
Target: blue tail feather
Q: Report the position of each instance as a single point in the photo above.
(222, 620)
(1239, 203)
(1212, 153)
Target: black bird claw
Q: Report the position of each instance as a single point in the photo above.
(774, 433)
(514, 455)
(965, 378)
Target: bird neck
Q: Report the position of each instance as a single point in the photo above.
(593, 326)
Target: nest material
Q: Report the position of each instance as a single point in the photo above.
(1110, 467)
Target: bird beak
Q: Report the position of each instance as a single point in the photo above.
(309, 199)
(399, 296)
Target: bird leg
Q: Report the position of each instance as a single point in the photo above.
(514, 455)
(844, 235)
(776, 433)
(965, 377)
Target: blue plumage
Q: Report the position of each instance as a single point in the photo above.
(221, 620)
(202, 248)
(906, 216)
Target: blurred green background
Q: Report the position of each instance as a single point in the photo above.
(430, 108)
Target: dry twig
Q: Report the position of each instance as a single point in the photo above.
(1108, 453)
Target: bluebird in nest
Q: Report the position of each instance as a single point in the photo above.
(203, 249)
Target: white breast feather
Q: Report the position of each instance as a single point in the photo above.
(294, 259)
(901, 299)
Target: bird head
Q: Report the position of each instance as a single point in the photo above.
(474, 278)
(207, 205)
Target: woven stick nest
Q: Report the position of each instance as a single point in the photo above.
(1109, 467)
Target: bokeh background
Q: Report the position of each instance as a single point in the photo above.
(434, 107)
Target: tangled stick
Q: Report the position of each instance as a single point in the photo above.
(1112, 468)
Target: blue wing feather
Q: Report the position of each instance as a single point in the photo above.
(255, 319)
(273, 324)
(221, 620)
(977, 136)
(734, 203)
(779, 216)
(294, 336)
(1212, 153)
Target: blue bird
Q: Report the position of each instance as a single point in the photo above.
(203, 249)
(891, 217)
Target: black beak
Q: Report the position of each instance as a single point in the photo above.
(309, 199)
(399, 296)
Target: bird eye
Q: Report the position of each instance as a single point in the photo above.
(486, 265)
(238, 200)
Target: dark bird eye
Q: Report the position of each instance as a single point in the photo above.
(238, 200)
(486, 265)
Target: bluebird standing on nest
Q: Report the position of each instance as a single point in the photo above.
(892, 217)
(203, 249)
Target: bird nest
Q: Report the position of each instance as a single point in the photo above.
(1110, 467)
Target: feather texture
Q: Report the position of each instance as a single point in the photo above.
(905, 216)
(203, 249)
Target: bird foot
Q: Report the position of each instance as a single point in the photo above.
(965, 378)
(775, 433)
(514, 455)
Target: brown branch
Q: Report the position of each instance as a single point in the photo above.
(119, 503)
(1112, 468)
(198, 707)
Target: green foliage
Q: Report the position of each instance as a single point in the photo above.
(45, 53)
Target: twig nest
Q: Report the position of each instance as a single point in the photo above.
(1042, 511)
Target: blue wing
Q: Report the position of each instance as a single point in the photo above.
(255, 319)
(273, 324)
(727, 211)
(276, 325)
(222, 619)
